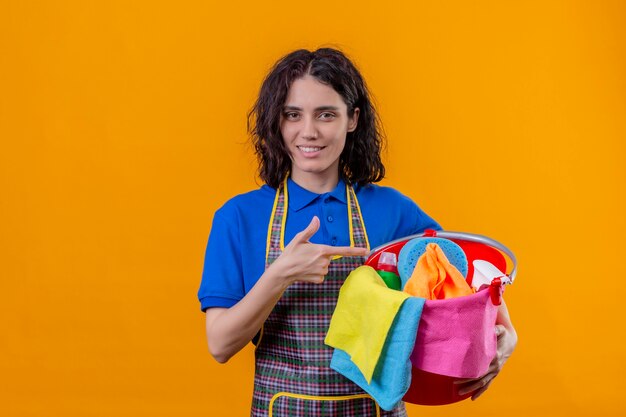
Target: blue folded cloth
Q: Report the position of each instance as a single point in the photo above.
(392, 376)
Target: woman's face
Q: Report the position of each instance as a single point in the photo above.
(314, 124)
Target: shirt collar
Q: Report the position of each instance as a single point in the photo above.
(300, 197)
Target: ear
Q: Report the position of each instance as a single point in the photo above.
(352, 123)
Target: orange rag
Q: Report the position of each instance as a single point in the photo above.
(435, 278)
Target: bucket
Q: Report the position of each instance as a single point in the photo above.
(456, 337)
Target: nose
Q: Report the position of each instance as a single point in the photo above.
(309, 129)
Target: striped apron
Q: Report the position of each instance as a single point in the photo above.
(292, 371)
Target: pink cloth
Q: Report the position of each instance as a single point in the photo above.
(456, 336)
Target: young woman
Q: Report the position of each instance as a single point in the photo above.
(277, 256)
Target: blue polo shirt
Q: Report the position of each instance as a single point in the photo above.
(235, 253)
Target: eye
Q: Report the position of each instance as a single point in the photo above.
(327, 116)
(291, 115)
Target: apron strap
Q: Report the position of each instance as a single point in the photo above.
(275, 244)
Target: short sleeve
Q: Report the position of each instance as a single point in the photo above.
(423, 221)
(413, 220)
(222, 277)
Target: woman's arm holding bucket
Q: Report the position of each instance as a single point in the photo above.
(507, 340)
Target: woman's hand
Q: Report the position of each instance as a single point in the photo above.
(308, 262)
(507, 339)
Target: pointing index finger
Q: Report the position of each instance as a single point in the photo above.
(339, 251)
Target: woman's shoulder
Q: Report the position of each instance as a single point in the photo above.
(388, 196)
(248, 204)
(396, 213)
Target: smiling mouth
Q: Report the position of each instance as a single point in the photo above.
(310, 149)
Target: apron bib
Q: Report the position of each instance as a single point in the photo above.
(292, 367)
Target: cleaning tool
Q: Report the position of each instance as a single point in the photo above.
(435, 278)
(392, 376)
(414, 248)
(485, 272)
(388, 270)
(455, 337)
(362, 318)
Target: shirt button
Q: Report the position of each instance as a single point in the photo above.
(333, 241)
(329, 218)
(327, 200)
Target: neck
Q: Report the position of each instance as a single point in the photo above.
(316, 184)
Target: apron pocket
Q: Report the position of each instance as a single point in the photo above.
(289, 404)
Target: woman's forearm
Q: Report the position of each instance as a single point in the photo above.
(230, 329)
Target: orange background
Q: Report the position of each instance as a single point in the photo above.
(122, 128)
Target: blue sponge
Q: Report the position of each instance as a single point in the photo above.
(414, 248)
